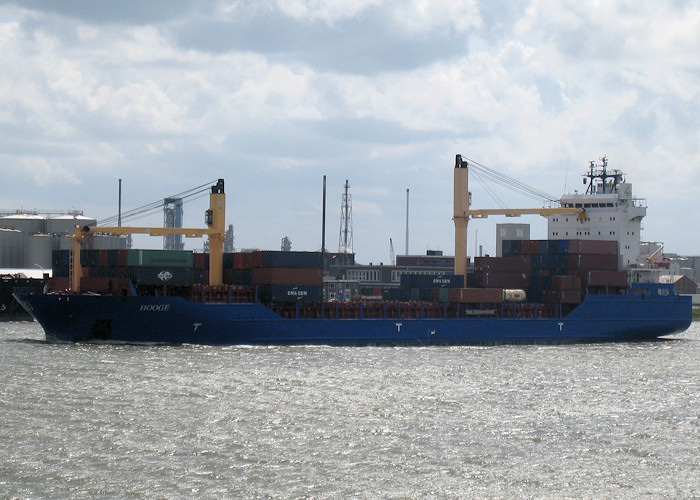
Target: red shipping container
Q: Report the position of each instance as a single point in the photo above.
(485, 279)
(122, 258)
(529, 247)
(228, 276)
(593, 262)
(103, 258)
(596, 247)
(59, 284)
(239, 261)
(476, 295)
(566, 282)
(287, 276)
(511, 264)
(604, 278)
(200, 260)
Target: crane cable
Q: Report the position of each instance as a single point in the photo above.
(152, 207)
(510, 183)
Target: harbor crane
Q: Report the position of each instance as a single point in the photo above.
(462, 213)
(215, 219)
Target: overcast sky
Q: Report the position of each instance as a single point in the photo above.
(271, 95)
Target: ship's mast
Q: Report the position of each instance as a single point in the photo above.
(601, 172)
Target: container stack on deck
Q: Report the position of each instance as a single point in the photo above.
(553, 271)
(277, 276)
(550, 272)
(428, 287)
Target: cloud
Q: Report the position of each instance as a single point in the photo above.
(272, 95)
(121, 12)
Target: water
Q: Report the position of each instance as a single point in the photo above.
(603, 420)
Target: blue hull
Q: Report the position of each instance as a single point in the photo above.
(85, 318)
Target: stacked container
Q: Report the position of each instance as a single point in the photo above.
(561, 271)
(428, 287)
(278, 276)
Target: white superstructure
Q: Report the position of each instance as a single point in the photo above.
(611, 213)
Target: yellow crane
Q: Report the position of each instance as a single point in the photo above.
(462, 214)
(215, 218)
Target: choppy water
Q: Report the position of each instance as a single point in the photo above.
(603, 420)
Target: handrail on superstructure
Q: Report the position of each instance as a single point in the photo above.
(215, 218)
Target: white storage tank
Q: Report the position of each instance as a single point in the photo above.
(27, 223)
(66, 223)
(109, 242)
(514, 295)
(12, 243)
(38, 251)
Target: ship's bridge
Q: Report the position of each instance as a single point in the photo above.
(610, 213)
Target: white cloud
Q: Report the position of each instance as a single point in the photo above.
(273, 94)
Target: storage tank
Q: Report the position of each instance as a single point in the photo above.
(27, 223)
(38, 251)
(513, 295)
(66, 223)
(109, 242)
(12, 248)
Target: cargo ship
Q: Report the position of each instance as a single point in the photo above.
(568, 288)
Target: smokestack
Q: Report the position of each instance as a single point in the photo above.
(323, 228)
(119, 219)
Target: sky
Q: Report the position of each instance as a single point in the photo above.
(271, 95)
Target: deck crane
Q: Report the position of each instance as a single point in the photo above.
(462, 213)
(392, 254)
(215, 218)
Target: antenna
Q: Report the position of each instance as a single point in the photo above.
(345, 238)
(406, 222)
(120, 204)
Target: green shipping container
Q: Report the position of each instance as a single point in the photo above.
(160, 258)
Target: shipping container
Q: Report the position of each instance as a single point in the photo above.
(597, 247)
(174, 276)
(510, 248)
(530, 247)
(566, 282)
(228, 276)
(306, 260)
(431, 281)
(289, 293)
(157, 258)
(89, 258)
(227, 260)
(201, 260)
(200, 276)
(601, 262)
(603, 278)
(287, 276)
(512, 295)
(122, 258)
(512, 264)
(60, 258)
(484, 279)
(476, 295)
(243, 276)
